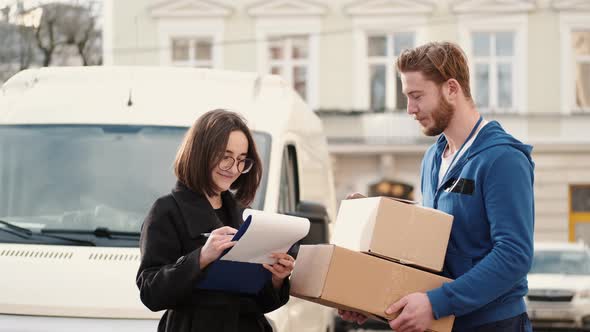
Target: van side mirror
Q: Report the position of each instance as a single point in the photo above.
(318, 229)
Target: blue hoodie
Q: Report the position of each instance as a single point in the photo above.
(489, 191)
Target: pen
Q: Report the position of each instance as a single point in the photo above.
(209, 234)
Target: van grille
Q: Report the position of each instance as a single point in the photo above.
(550, 298)
(64, 255)
(550, 295)
(113, 257)
(36, 254)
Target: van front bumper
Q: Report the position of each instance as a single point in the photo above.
(23, 323)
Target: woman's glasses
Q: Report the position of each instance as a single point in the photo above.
(244, 165)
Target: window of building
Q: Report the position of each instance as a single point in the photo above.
(579, 212)
(493, 57)
(289, 57)
(384, 84)
(290, 48)
(190, 32)
(574, 22)
(581, 63)
(496, 48)
(288, 35)
(381, 31)
(192, 52)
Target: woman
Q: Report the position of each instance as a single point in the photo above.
(217, 154)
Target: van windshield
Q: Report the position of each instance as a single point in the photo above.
(84, 177)
(561, 262)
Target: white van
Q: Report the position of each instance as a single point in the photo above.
(85, 151)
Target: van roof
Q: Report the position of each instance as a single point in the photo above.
(150, 96)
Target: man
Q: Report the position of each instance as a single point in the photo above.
(483, 177)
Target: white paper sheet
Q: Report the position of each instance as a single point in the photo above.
(268, 233)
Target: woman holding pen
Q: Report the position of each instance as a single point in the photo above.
(187, 230)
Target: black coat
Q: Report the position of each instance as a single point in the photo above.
(170, 249)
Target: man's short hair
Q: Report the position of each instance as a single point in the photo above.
(438, 62)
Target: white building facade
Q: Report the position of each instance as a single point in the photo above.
(529, 61)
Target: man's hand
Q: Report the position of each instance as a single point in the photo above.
(351, 316)
(355, 196)
(416, 313)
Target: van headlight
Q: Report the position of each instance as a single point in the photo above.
(584, 294)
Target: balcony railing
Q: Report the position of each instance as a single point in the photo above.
(399, 129)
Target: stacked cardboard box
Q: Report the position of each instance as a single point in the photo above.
(383, 249)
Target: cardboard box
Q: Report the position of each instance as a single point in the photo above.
(344, 279)
(394, 229)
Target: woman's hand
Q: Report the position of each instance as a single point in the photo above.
(218, 241)
(281, 269)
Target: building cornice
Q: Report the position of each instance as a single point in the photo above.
(390, 7)
(190, 9)
(272, 8)
(492, 6)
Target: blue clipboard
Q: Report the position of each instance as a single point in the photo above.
(236, 277)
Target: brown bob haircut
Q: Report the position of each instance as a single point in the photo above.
(438, 62)
(202, 149)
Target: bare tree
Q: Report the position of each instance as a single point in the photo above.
(78, 25)
(26, 51)
(8, 53)
(46, 34)
(18, 50)
(50, 33)
(89, 46)
(64, 24)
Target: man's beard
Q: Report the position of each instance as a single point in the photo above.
(441, 117)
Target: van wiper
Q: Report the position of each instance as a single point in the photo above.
(22, 232)
(27, 234)
(102, 232)
(69, 239)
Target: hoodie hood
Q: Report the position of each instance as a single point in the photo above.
(491, 135)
